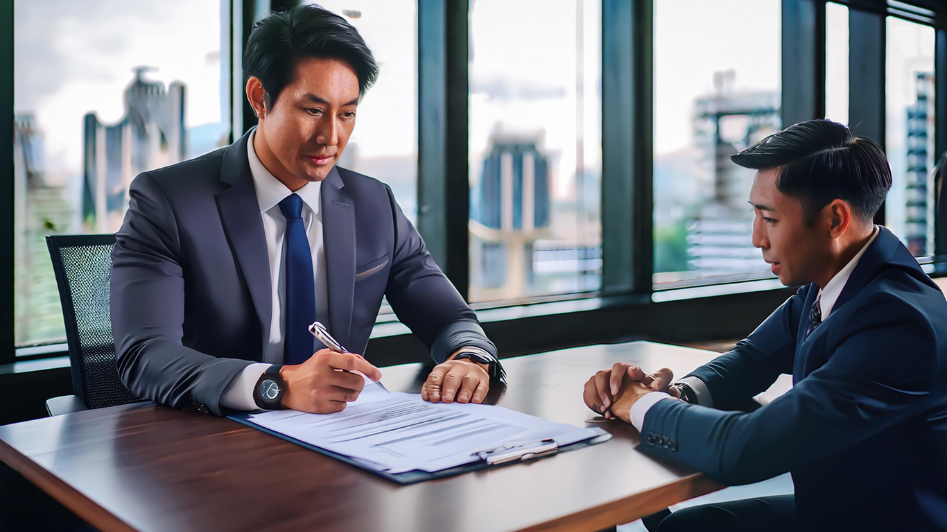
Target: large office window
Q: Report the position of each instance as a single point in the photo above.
(384, 144)
(836, 62)
(535, 148)
(909, 133)
(716, 91)
(106, 89)
(102, 91)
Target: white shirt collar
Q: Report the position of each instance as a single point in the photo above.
(270, 191)
(829, 295)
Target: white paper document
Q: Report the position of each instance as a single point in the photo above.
(398, 432)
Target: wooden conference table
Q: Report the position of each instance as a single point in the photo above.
(151, 468)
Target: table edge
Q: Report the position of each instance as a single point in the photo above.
(617, 512)
(77, 502)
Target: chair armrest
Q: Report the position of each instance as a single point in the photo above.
(65, 404)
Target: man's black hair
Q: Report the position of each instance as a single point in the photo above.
(820, 161)
(283, 37)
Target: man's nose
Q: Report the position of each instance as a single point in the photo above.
(760, 238)
(327, 132)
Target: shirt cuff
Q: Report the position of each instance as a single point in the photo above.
(700, 390)
(238, 395)
(641, 407)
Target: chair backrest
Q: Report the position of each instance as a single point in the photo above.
(83, 266)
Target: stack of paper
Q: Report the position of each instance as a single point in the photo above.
(398, 432)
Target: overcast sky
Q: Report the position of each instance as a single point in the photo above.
(72, 57)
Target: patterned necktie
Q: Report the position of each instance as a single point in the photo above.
(300, 308)
(815, 317)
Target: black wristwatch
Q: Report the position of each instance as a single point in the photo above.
(482, 357)
(687, 393)
(269, 390)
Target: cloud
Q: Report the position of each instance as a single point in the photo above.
(54, 39)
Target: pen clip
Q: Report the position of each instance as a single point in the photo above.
(520, 452)
(319, 331)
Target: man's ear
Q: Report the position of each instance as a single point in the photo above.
(256, 95)
(839, 215)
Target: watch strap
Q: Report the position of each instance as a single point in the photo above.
(273, 371)
(687, 393)
(481, 356)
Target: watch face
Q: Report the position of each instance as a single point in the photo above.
(269, 390)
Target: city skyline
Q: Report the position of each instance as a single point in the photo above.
(150, 134)
(59, 84)
(522, 81)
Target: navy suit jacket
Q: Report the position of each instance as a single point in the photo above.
(191, 289)
(864, 428)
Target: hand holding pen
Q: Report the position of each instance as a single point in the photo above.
(327, 381)
(319, 331)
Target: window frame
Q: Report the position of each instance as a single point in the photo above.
(7, 262)
(625, 306)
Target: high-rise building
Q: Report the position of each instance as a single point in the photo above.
(40, 208)
(510, 212)
(28, 149)
(918, 196)
(150, 135)
(726, 122)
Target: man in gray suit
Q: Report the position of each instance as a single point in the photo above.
(224, 260)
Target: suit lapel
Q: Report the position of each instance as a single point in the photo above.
(803, 344)
(879, 252)
(243, 225)
(338, 236)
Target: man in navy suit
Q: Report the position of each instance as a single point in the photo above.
(224, 261)
(864, 428)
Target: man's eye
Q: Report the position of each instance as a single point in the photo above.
(769, 220)
(313, 111)
(348, 115)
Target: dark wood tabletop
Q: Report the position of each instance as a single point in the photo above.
(151, 468)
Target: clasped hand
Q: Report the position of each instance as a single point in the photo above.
(612, 392)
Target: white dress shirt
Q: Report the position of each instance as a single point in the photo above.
(827, 297)
(269, 192)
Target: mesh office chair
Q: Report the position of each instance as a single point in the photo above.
(83, 267)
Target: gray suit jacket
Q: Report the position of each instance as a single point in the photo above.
(191, 288)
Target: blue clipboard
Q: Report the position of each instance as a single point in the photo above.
(493, 459)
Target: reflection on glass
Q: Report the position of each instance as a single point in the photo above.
(716, 92)
(103, 91)
(384, 144)
(909, 133)
(836, 62)
(535, 148)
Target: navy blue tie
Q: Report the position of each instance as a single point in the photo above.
(815, 317)
(300, 308)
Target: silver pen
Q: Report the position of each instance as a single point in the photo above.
(319, 331)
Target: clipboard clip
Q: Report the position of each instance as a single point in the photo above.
(513, 452)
